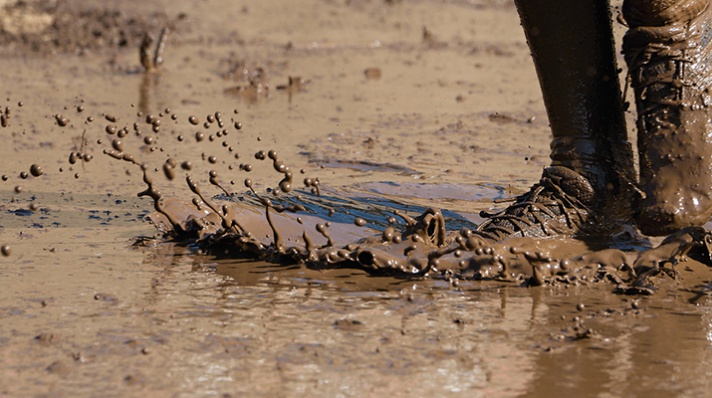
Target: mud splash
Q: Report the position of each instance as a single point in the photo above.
(287, 226)
(87, 309)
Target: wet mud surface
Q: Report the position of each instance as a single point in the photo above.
(373, 106)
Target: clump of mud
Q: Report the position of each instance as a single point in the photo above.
(56, 26)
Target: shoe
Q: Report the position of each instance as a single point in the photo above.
(670, 70)
(559, 204)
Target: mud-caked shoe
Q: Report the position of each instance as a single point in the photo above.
(560, 204)
(670, 69)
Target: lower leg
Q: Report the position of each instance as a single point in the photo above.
(571, 42)
(573, 51)
(669, 54)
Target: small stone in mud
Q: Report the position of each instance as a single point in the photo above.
(106, 297)
(372, 73)
(36, 170)
(59, 368)
(360, 222)
(348, 324)
(46, 338)
(6, 251)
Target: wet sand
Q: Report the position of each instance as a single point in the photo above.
(403, 105)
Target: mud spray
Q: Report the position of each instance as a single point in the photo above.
(290, 221)
(288, 247)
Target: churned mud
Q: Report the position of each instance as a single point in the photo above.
(276, 198)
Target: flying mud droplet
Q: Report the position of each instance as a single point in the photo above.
(24, 175)
(61, 120)
(36, 170)
(6, 251)
(193, 120)
(18, 189)
(359, 222)
(168, 169)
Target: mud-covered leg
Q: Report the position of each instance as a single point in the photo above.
(668, 50)
(591, 171)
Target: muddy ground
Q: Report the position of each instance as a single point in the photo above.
(392, 104)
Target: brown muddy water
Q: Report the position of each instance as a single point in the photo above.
(392, 105)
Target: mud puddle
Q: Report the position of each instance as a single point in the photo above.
(406, 106)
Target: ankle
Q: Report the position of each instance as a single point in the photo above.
(583, 155)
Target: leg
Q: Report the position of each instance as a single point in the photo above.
(572, 46)
(669, 55)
